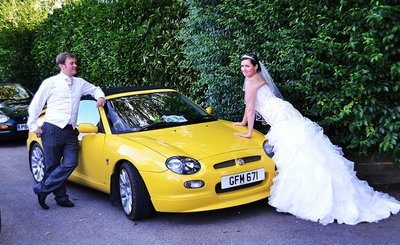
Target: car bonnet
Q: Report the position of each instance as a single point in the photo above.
(197, 140)
(13, 108)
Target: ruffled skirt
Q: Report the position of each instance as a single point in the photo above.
(315, 182)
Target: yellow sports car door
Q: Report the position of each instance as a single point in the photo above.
(91, 166)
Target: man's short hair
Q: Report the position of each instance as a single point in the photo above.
(61, 58)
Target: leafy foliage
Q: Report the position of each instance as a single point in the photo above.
(18, 22)
(336, 61)
(118, 43)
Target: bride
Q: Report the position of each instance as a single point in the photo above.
(314, 181)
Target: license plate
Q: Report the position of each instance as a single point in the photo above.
(239, 179)
(22, 127)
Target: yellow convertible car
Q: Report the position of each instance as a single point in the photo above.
(152, 149)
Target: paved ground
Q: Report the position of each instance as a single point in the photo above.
(94, 221)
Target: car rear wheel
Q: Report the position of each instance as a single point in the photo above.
(36, 161)
(134, 196)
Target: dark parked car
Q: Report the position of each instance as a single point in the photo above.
(14, 102)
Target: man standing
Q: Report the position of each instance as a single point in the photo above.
(62, 94)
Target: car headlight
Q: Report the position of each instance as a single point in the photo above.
(269, 149)
(3, 118)
(183, 165)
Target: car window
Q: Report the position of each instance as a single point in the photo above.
(153, 110)
(13, 91)
(88, 112)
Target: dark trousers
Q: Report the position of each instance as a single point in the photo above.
(61, 149)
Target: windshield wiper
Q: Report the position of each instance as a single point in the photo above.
(205, 118)
(160, 125)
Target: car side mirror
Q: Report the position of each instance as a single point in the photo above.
(87, 128)
(209, 110)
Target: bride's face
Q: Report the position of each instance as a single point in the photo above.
(247, 68)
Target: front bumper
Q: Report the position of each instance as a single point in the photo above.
(168, 193)
(11, 133)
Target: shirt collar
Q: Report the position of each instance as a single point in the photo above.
(63, 76)
(66, 78)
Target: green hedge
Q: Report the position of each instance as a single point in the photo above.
(336, 61)
(17, 24)
(15, 62)
(118, 43)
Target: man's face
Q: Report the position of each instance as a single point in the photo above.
(70, 67)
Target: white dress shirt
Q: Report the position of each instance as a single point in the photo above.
(62, 100)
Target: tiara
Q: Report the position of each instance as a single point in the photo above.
(248, 57)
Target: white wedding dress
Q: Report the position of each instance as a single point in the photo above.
(314, 181)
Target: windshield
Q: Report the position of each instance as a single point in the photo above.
(13, 91)
(153, 111)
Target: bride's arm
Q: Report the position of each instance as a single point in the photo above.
(244, 120)
(250, 111)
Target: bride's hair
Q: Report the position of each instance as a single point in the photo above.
(253, 60)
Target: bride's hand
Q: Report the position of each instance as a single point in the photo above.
(239, 124)
(244, 135)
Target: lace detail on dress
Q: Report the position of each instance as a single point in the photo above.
(273, 109)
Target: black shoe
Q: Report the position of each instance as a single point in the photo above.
(42, 200)
(66, 203)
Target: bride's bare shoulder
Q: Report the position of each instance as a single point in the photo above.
(253, 87)
(259, 82)
(258, 79)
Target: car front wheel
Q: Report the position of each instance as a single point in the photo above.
(134, 196)
(36, 161)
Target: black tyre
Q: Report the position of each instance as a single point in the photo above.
(135, 198)
(36, 162)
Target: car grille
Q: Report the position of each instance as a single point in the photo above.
(232, 162)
